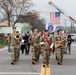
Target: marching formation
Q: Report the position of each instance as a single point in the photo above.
(42, 43)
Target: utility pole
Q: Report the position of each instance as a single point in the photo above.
(65, 22)
(72, 24)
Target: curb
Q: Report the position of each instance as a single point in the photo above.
(2, 49)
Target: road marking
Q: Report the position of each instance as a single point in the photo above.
(42, 70)
(45, 70)
(48, 70)
(18, 73)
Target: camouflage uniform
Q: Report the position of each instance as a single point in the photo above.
(60, 49)
(34, 41)
(15, 48)
(45, 48)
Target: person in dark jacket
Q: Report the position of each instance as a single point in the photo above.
(27, 45)
(68, 42)
(22, 44)
(8, 41)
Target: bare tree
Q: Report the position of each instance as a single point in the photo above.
(31, 17)
(13, 8)
(40, 24)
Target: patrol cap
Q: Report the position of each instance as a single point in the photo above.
(14, 28)
(59, 30)
(45, 30)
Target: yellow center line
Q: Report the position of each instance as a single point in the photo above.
(48, 70)
(42, 70)
(45, 70)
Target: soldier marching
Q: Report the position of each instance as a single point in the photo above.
(15, 46)
(46, 41)
(40, 44)
(34, 40)
(60, 43)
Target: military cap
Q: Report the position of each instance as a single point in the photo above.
(59, 30)
(45, 30)
(14, 28)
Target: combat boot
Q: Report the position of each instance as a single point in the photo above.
(60, 63)
(12, 62)
(33, 61)
(44, 64)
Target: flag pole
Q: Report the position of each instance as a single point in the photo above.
(65, 14)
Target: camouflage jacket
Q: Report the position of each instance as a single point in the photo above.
(59, 38)
(13, 41)
(34, 39)
(46, 45)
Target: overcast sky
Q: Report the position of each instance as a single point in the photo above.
(68, 6)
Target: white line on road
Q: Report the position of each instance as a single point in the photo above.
(28, 73)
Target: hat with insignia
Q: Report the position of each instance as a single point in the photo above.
(14, 28)
(45, 30)
(59, 30)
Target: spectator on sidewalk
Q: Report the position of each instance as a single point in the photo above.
(1, 38)
(68, 42)
(8, 43)
(22, 44)
(27, 44)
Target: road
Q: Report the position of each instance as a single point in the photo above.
(25, 67)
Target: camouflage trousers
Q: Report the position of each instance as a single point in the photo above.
(15, 53)
(46, 56)
(59, 54)
(35, 53)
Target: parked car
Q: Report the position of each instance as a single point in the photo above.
(73, 37)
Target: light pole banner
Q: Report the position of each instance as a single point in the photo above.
(51, 27)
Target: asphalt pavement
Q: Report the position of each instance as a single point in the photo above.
(25, 67)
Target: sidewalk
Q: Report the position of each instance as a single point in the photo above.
(2, 49)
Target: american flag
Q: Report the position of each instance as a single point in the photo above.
(55, 17)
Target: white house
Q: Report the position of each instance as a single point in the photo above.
(21, 27)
